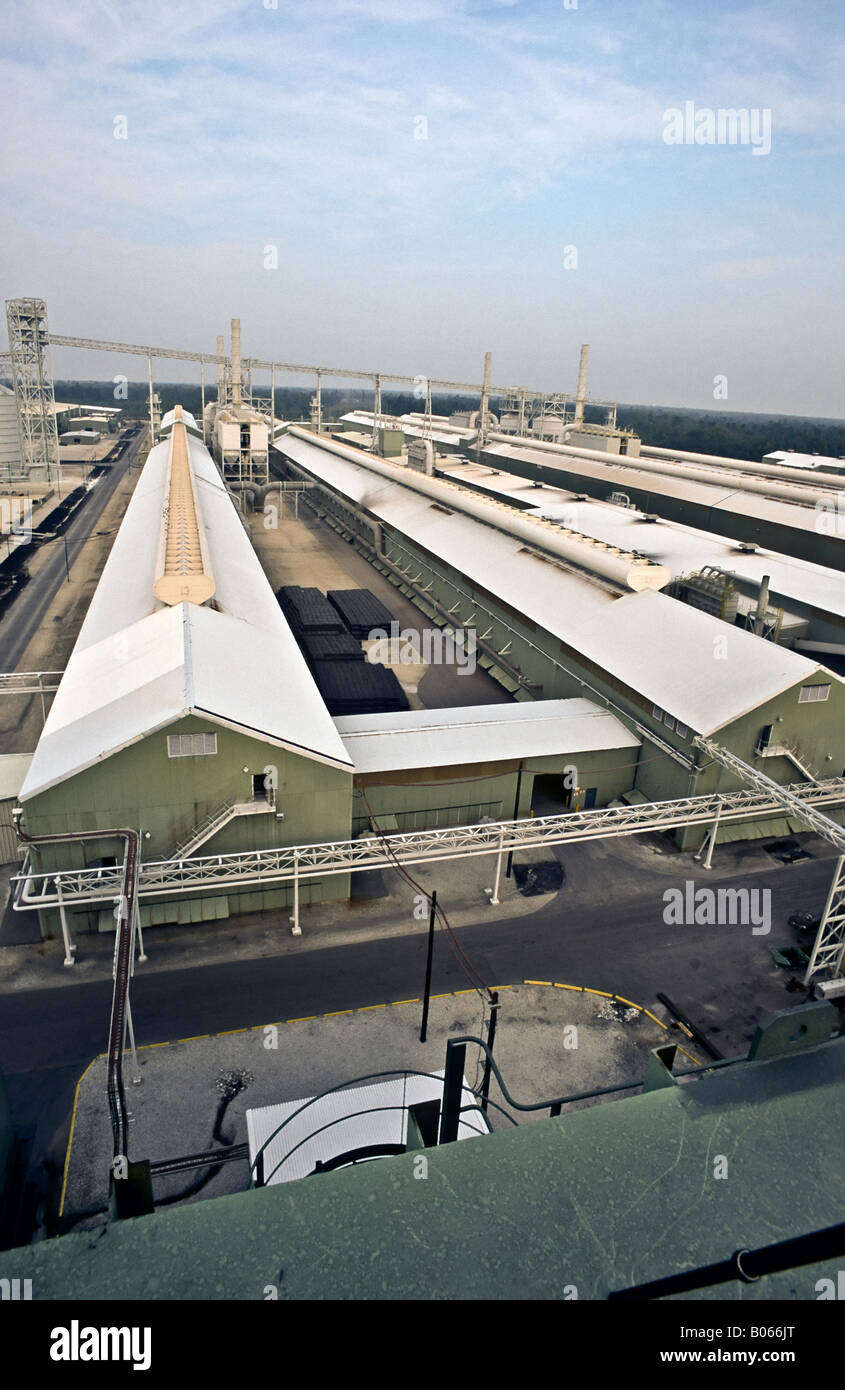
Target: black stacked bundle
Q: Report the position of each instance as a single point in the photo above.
(330, 646)
(352, 687)
(307, 610)
(360, 610)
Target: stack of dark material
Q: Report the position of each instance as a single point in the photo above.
(352, 687)
(330, 646)
(307, 610)
(360, 610)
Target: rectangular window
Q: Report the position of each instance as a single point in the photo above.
(190, 745)
(681, 729)
(809, 694)
(669, 721)
(657, 712)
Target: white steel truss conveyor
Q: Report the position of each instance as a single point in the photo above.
(296, 863)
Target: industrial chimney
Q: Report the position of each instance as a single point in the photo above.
(581, 393)
(762, 605)
(221, 370)
(236, 362)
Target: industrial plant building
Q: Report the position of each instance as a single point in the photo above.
(565, 615)
(805, 606)
(787, 514)
(188, 712)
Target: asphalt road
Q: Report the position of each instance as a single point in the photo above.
(722, 977)
(21, 621)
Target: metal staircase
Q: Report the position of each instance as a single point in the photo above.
(790, 750)
(220, 817)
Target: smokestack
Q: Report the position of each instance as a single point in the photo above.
(762, 605)
(485, 401)
(581, 393)
(221, 370)
(236, 362)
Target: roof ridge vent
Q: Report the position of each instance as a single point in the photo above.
(183, 568)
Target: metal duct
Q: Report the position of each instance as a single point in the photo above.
(692, 474)
(769, 470)
(620, 567)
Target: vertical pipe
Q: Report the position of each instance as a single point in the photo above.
(713, 834)
(296, 929)
(491, 1038)
(427, 991)
(520, 429)
(69, 948)
(581, 393)
(150, 381)
(515, 814)
(494, 901)
(319, 403)
(453, 1084)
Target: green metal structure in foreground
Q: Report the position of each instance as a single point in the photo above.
(597, 1200)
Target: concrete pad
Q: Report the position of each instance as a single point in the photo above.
(550, 1042)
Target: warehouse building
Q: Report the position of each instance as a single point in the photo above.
(805, 607)
(793, 518)
(562, 616)
(186, 709)
(461, 766)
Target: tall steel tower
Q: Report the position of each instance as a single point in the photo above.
(32, 379)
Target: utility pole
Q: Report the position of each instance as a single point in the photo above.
(427, 991)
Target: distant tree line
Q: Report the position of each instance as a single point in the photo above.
(734, 434)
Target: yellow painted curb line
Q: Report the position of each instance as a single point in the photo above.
(603, 993)
(72, 1126)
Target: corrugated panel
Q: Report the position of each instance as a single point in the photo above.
(10, 845)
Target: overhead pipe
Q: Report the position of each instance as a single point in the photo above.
(622, 568)
(646, 465)
(773, 470)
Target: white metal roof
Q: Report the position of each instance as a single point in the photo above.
(138, 665)
(787, 458)
(13, 770)
(621, 470)
(480, 733)
(186, 417)
(498, 561)
(442, 432)
(682, 549)
(341, 1128)
(663, 649)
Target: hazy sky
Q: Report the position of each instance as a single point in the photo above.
(298, 127)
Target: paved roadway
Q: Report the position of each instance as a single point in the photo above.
(21, 620)
(48, 1037)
